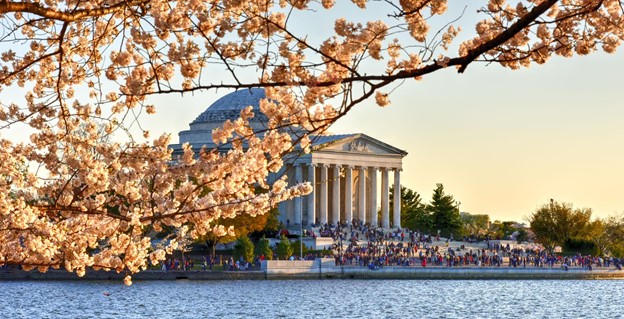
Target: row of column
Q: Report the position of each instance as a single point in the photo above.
(322, 189)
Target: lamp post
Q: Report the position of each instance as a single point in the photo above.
(300, 211)
(340, 244)
(459, 212)
(300, 233)
(339, 228)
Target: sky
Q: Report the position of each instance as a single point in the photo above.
(505, 142)
(502, 142)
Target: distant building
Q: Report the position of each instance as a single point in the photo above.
(345, 170)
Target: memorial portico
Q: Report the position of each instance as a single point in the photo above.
(350, 173)
(351, 177)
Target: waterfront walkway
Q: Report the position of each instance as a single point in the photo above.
(326, 269)
(387, 257)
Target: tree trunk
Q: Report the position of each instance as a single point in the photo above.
(212, 245)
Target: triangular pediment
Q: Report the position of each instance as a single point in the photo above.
(355, 143)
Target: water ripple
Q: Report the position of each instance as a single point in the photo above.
(314, 299)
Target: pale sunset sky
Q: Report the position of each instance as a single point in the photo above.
(502, 142)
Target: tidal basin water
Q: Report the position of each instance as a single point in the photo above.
(314, 299)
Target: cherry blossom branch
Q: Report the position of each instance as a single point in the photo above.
(69, 15)
(462, 62)
(504, 36)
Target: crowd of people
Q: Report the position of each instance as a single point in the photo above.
(358, 244)
(403, 247)
(185, 263)
(210, 263)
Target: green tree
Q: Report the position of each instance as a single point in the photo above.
(444, 212)
(475, 225)
(615, 231)
(244, 248)
(555, 222)
(599, 236)
(585, 246)
(243, 226)
(522, 236)
(297, 246)
(272, 221)
(264, 248)
(284, 248)
(501, 230)
(271, 226)
(414, 214)
(608, 235)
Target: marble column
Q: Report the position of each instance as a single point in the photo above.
(311, 202)
(372, 172)
(348, 194)
(362, 192)
(336, 196)
(298, 205)
(284, 207)
(323, 200)
(385, 199)
(396, 223)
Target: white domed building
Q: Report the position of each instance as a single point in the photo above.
(351, 173)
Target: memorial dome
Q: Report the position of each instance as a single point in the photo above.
(226, 108)
(229, 107)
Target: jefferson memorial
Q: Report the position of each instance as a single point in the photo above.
(351, 174)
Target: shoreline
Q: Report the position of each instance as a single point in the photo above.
(285, 270)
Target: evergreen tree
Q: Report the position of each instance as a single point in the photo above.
(297, 247)
(264, 248)
(244, 248)
(444, 213)
(414, 214)
(284, 249)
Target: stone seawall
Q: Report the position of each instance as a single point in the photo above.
(293, 269)
(325, 269)
(145, 275)
(474, 273)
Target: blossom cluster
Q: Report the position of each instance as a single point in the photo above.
(566, 28)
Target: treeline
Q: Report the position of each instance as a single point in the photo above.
(560, 224)
(442, 216)
(552, 225)
(284, 249)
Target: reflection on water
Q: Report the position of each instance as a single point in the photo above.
(314, 299)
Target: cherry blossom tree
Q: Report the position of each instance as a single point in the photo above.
(68, 199)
